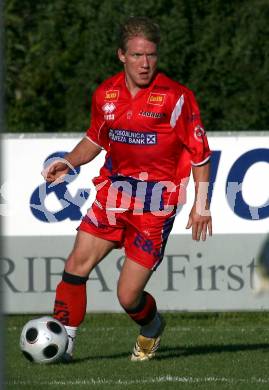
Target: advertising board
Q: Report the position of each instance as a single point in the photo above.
(39, 226)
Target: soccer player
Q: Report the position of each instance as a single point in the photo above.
(150, 128)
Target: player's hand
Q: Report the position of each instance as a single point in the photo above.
(201, 224)
(55, 172)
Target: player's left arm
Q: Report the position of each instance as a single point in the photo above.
(200, 218)
(189, 128)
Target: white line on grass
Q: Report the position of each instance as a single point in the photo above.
(216, 329)
(159, 379)
(168, 329)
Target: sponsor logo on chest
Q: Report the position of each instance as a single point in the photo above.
(156, 98)
(108, 108)
(133, 137)
(112, 95)
(152, 114)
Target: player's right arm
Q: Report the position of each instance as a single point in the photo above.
(87, 149)
(84, 152)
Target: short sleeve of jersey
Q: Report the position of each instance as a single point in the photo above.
(186, 119)
(97, 132)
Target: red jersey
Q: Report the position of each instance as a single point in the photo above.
(158, 131)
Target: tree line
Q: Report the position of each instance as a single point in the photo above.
(57, 52)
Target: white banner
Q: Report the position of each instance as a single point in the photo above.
(240, 196)
(39, 225)
(216, 275)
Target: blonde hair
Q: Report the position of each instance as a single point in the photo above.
(138, 26)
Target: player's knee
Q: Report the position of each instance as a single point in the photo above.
(128, 299)
(79, 264)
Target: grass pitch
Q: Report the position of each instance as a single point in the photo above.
(198, 351)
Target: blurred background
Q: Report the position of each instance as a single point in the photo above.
(57, 52)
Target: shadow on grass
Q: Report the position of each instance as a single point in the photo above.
(174, 352)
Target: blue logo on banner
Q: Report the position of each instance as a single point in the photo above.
(234, 185)
(70, 205)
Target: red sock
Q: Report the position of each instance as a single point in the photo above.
(145, 311)
(71, 300)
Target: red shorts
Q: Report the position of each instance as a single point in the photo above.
(143, 236)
